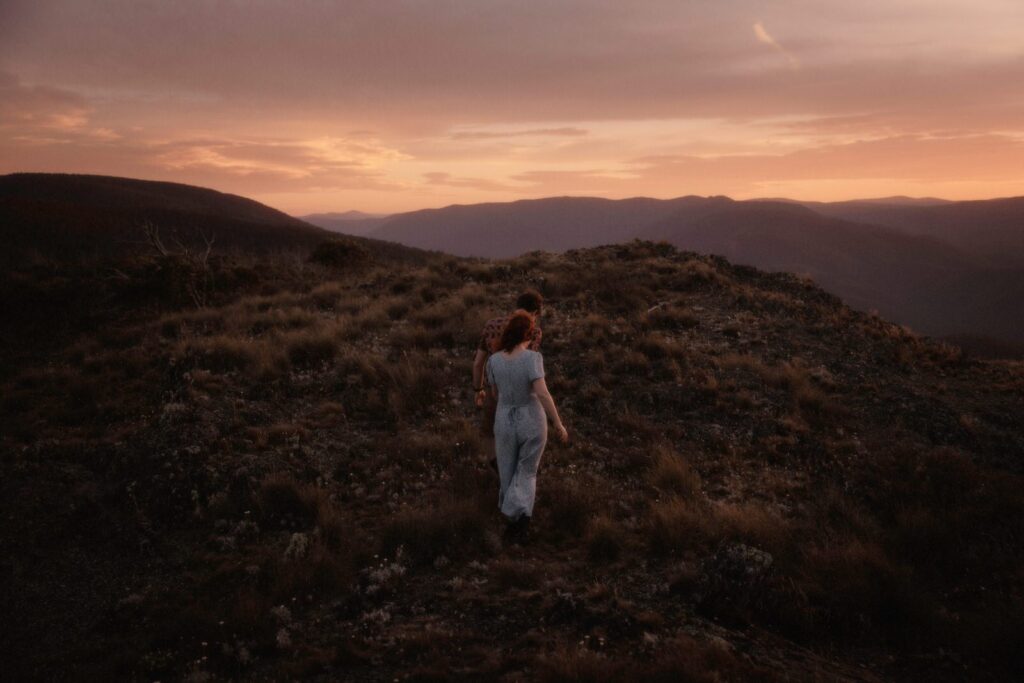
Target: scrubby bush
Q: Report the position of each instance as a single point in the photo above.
(340, 253)
(671, 474)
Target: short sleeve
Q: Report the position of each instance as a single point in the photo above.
(536, 367)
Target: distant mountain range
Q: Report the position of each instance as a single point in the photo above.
(348, 222)
(941, 267)
(944, 268)
(992, 229)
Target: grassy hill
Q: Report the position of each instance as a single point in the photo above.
(82, 216)
(917, 280)
(289, 483)
(924, 264)
(77, 255)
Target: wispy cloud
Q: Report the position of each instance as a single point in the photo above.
(393, 105)
(567, 132)
(448, 180)
(763, 36)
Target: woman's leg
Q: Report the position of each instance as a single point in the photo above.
(506, 454)
(522, 490)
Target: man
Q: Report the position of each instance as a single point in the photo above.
(530, 301)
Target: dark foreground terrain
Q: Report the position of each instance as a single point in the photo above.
(283, 479)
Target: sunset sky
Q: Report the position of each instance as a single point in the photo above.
(387, 106)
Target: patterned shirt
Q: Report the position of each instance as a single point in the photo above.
(491, 336)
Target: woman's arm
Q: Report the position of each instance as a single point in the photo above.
(491, 384)
(479, 361)
(540, 388)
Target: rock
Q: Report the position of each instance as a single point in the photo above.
(284, 639)
(298, 547)
(734, 576)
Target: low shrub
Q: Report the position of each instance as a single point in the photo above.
(340, 253)
(451, 528)
(605, 540)
(672, 475)
(310, 348)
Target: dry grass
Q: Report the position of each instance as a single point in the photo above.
(804, 391)
(671, 474)
(508, 573)
(671, 317)
(359, 383)
(683, 659)
(678, 526)
(565, 507)
(453, 528)
(605, 540)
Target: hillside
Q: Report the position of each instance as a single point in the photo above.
(59, 215)
(288, 483)
(913, 276)
(916, 280)
(503, 230)
(346, 222)
(77, 255)
(991, 229)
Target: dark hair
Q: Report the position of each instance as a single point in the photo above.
(530, 301)
(517, 330)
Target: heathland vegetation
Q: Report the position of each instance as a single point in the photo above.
(283, 478)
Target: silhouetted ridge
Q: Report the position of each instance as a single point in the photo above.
(66, 215)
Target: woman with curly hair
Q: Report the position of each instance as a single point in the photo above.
(516, 378)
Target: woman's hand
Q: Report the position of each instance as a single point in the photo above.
(481, 396)
(563, 433)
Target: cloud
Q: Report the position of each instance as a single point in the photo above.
(566, 132)
(446, 179)
(34, 108)
(463, 101)
(763, 36)
(320, 163)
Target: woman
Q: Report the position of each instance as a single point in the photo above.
(516, 377)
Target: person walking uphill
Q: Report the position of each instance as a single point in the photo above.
(516, 378)
(530, 301)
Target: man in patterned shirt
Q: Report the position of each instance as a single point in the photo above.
(530, 301)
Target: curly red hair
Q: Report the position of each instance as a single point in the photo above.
(517, 330)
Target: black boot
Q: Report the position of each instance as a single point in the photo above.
(518, 532)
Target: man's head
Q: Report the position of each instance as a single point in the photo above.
(530, 301)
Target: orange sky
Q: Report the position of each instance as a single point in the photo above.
(386, 106)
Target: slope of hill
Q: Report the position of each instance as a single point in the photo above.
(503, 230)
(289, 484)
(346, 222)
(992, 229)
(73, 230)
(82, 215)
(917, 280)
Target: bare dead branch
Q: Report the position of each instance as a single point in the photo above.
(152, 234)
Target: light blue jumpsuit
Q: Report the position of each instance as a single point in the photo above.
(520, 429)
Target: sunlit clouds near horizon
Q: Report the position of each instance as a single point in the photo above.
(388, 106)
